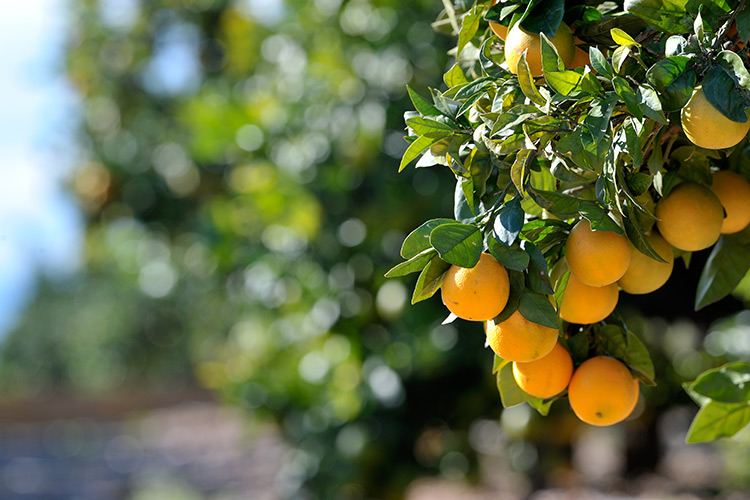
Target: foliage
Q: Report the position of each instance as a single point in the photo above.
(601, 142)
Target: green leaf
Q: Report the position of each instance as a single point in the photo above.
(416, 263)
(512, 257)
(430, 280)
(716, 420)
(564, 82)
(421, 104)
(463, 211)
(619, 56)
(731, 62)
(458, 244)
(649, 102)
(600, 63)
(598, 217)
(526, 81)
(454, 76)
(579, 346)
(560, 286)
(520, 168)
(509, 222)
(551, 60)
(667, 15)
(419, 240)
(723, 92)
(562, 205)
(429, 128)
(637, 237)
(615, 341)
(510, 393)
(622, 38)
(537, 308)
(469, 28)
(517, 286)
(675, 79)
(417, 147)
(728, 263)
(542, 406)
(538, 277)
(728, 384)
(628, 96)
(743, 24)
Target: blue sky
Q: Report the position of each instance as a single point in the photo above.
(41, 230)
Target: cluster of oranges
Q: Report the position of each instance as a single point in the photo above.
(601, 390)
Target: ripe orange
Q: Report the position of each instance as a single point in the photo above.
(478, 293)
(690, 217)
(547, 376)
(707, 127)
(519, 41)
(518, 339)
(602, 391)
(597, 258)
(644, 275)
(581, 58)
(585, 304)
(733, 192)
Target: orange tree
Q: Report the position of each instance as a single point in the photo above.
(577, 171)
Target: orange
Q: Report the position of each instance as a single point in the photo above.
(733, 192)
(690, 217)
(547, 376)
(478, 293)
(644, 275)
(581, 58)
(518, 339)
(519, 41)
(585, 304)
(707, 127)
(602, 391)
(597, 258)
(500, 30)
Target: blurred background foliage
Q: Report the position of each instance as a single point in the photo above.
(238, 170)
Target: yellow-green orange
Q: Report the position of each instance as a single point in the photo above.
(586, 304)
(518, 339)
(547, 376)
(597, 258)
(690, 217)
(519, 41)
(477, 293)
(707, 127)
(602, 392)
(733, 192)
(644, 275)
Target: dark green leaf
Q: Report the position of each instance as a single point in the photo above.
(598, 217)
(419, 240)
(509, 222)
(636, 235)
(725, 267)
(545, 17)
(421, 104)
(538, 277)
(430, 279)
(559, 204)
(517, 287)
(458, 244)
(723, 92)
(675, 79)
(512, 257)
(716, 420)
(743, 24)
(537, 308)
(416, 263)
(615, 341)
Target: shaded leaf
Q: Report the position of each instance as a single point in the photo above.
(430, 280)
(511, 257)
(509, 222)
(537, 308)
(728, 263)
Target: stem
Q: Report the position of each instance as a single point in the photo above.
(727, 24)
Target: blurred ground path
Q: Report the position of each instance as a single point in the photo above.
(129, 447)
